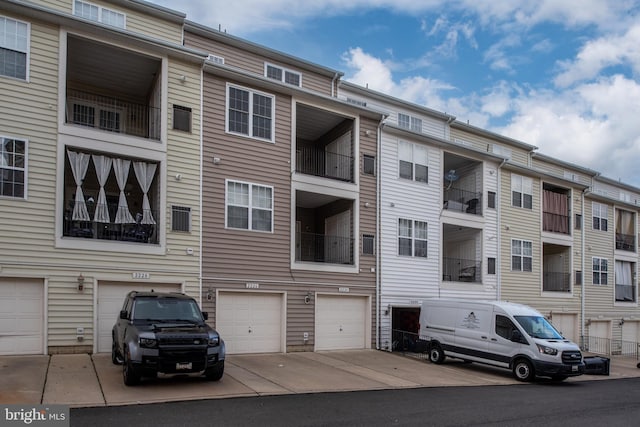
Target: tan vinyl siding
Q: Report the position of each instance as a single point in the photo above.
(254, 63)
(599, 298)
(518, 155)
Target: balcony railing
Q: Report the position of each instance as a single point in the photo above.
(456, 199)
(312, 247)
(461, 270)
(556, 282)
(555, 223)
(626, 293)
(313, 161)
(625, 242)
(112, 115)
(134, 232)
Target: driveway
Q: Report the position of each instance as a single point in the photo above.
(81, 380)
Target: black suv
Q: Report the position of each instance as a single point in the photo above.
(165, 332)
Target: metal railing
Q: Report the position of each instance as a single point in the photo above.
(625, 293)
(317, 162)
(409, 344)
(610, 347)
(456, 199)
(625, 242)
(311, 247)
(556, 281)
(112, 115)
(555, 223)
(461, 270)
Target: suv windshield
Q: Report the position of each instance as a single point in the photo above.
(167, 309)
(538, 327)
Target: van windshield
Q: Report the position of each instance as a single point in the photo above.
(538, 327)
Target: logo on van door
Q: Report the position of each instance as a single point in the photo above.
(471, 321)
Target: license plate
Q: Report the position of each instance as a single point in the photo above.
(574, 368)
(180, 366)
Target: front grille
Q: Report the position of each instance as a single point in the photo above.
(169, 358)
(181, 340)
(571, 357)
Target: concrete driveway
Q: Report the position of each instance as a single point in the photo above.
(81, 380)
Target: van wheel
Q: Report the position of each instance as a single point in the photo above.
(523, 370)
(436, 355)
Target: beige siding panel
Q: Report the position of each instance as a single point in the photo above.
(518, 155)
(254, 63)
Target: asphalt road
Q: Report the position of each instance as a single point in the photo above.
(590, 403)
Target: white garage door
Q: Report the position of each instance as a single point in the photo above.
(250, 322)
(567, 325)
(110, 299)
(341, 322)
(21, 316)
(600, 337)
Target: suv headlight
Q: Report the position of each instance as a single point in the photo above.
(547, 350)
(148, 342)
(214, 341)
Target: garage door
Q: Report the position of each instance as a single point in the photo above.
(110, 299)
(567, 325)
(21, 316)
(600, 337)
(341, 322)
(250, 322)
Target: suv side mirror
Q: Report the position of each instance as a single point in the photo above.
(205, 315)
(123, 314)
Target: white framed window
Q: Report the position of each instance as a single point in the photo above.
(282, 74)
(412, 162)
(501, 151)
(412, 238)
(14, 48)
(249, 206)
(521, 191)
(600, 271)
(97, 13)
(600, 216)
(215, 58)
(521, 255)
(409, 122)
(13, 163)
(95, 115)
(624, 275)
(250, 113)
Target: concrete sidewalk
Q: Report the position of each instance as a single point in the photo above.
(81, 380)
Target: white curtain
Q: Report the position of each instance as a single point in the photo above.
(121, 168)
(624, 289)
(144, 173)
(103, 167)
(79, 165)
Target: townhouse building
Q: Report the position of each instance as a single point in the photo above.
(100, 167)
(289, 201)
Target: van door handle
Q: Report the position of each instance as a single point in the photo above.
(484, 337)
(493, 339)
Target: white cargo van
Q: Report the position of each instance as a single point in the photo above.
(503, 334)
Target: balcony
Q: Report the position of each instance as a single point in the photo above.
(461, 270)
(112, 115)
(132, 232)
(625, 293)
(555, 210)
(324, 249)
(462, 184)
(625, 242)
(326, 164)
(459, 200)
(556, 281)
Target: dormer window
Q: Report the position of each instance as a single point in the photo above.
(282, 74)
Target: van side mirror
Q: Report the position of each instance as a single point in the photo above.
(205, 315)
(123, 314)
(516, 336)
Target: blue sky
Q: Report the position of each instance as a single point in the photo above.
(563, 75)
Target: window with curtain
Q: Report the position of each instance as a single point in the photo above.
(13, 160)
(625, 230)
(600, 216)
(625, 288)
(555, 216)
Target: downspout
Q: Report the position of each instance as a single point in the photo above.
(336, 76)
(582, 266)
(499, 233)
(379, 237)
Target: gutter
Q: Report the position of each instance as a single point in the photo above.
(379, 237)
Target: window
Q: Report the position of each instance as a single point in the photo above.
(504, 327)
(600, 271)
(412, 238)
(412, 162)
(521, 191)
(521, 255)
(578, 277)
(369, 165)
(491, 199)
(249, 206)
(501, 151)
(359, 102)
(409, 122)
(368, 244)
(14, 48)
(95, 115)
(13, 154)
(215, 58)
(282, 74)
(600, 215)
(250, 113)
(625, 289)
(182, 118)
(180, 218)
(578, 222)
(99, 14)
(491, 266)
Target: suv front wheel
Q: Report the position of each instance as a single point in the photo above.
(215, 372)
(130, 374)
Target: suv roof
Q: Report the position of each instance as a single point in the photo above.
(152, 294)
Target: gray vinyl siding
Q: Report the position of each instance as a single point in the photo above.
(254, 63)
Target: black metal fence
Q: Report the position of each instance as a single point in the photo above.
(556, 282)
(461, 270)
(313, 247)
(317, 162)
(459, 200)
(610, 347)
